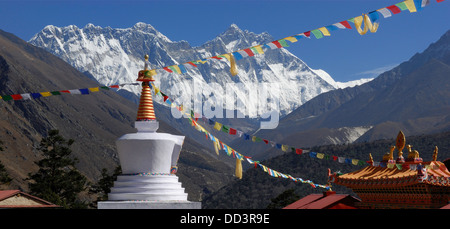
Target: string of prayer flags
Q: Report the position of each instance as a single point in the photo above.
(81, 91)
(218, 145)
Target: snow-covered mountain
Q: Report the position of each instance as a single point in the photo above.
(114, 56)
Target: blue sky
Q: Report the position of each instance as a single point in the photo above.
(345, 55)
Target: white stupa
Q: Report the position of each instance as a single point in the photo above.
(149, 163)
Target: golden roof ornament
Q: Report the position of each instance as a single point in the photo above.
(435, 153)
(145, 110)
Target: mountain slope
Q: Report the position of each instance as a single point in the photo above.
(413, 95)
(94, 121)
(115, 55)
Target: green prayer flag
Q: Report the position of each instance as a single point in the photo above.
(225, 129)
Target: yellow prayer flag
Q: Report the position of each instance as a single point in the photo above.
(238, 171)
(285, 148)
(320, 155)
(291, 39)
(358, 23)
(218, 126)
(216, 147)
(372, 27)
(258, 49)
(93, 89)
(355, 161)
(411, 6)
(156, 90)
(232, 61)
(46, 94)
(324, 31)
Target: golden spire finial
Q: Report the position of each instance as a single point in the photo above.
(435, 153)
(145, 110)
(400, 143)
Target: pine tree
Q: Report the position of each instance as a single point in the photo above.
(105, 183)
(57, 180)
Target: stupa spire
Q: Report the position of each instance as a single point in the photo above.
(145, 110)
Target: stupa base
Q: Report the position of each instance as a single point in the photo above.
(146, 204)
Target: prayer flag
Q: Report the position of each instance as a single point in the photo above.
(46, 94)
(17, 97)
(243, 53)
(385, 12)
(233, 68)
(237, 55)
(317, 33)
(225, 129)
(402, 6)
(283, 43)
(232, 131)
(324, 31)
(285, 148)
(277, 44)
(320, 155)
(249, 52)
(55, 93)
(355, 161)
(257, 49)
(410, 4)
(394, 9)
(291, 39)
(26, 96)
(218, 126)
(298, 151)
(332, 27)
(36, 95)
(84, 91)
(182, 68)
(7, 97)
(238, 171)
(94, 89)
(168, 69)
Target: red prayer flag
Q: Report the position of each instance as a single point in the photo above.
(114, 86)
(346, 24)
(439, 0)
(307, 34)
(298, 151)
(266, 141)
(249, 52)
(17, 97)
(216, 57)
(65, 91)
(394, 9)
(192, 64)
(276, 43)
(167, 69)
(232, 131)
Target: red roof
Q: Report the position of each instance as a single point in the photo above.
(328, 200)
(5, 194)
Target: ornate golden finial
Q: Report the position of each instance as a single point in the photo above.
(146, 74)
(400, 143)
(435, 153)
(370, 159)
(145, 110)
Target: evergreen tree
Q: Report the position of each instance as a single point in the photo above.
(57, 180)
(105, 183)
(4, 176)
